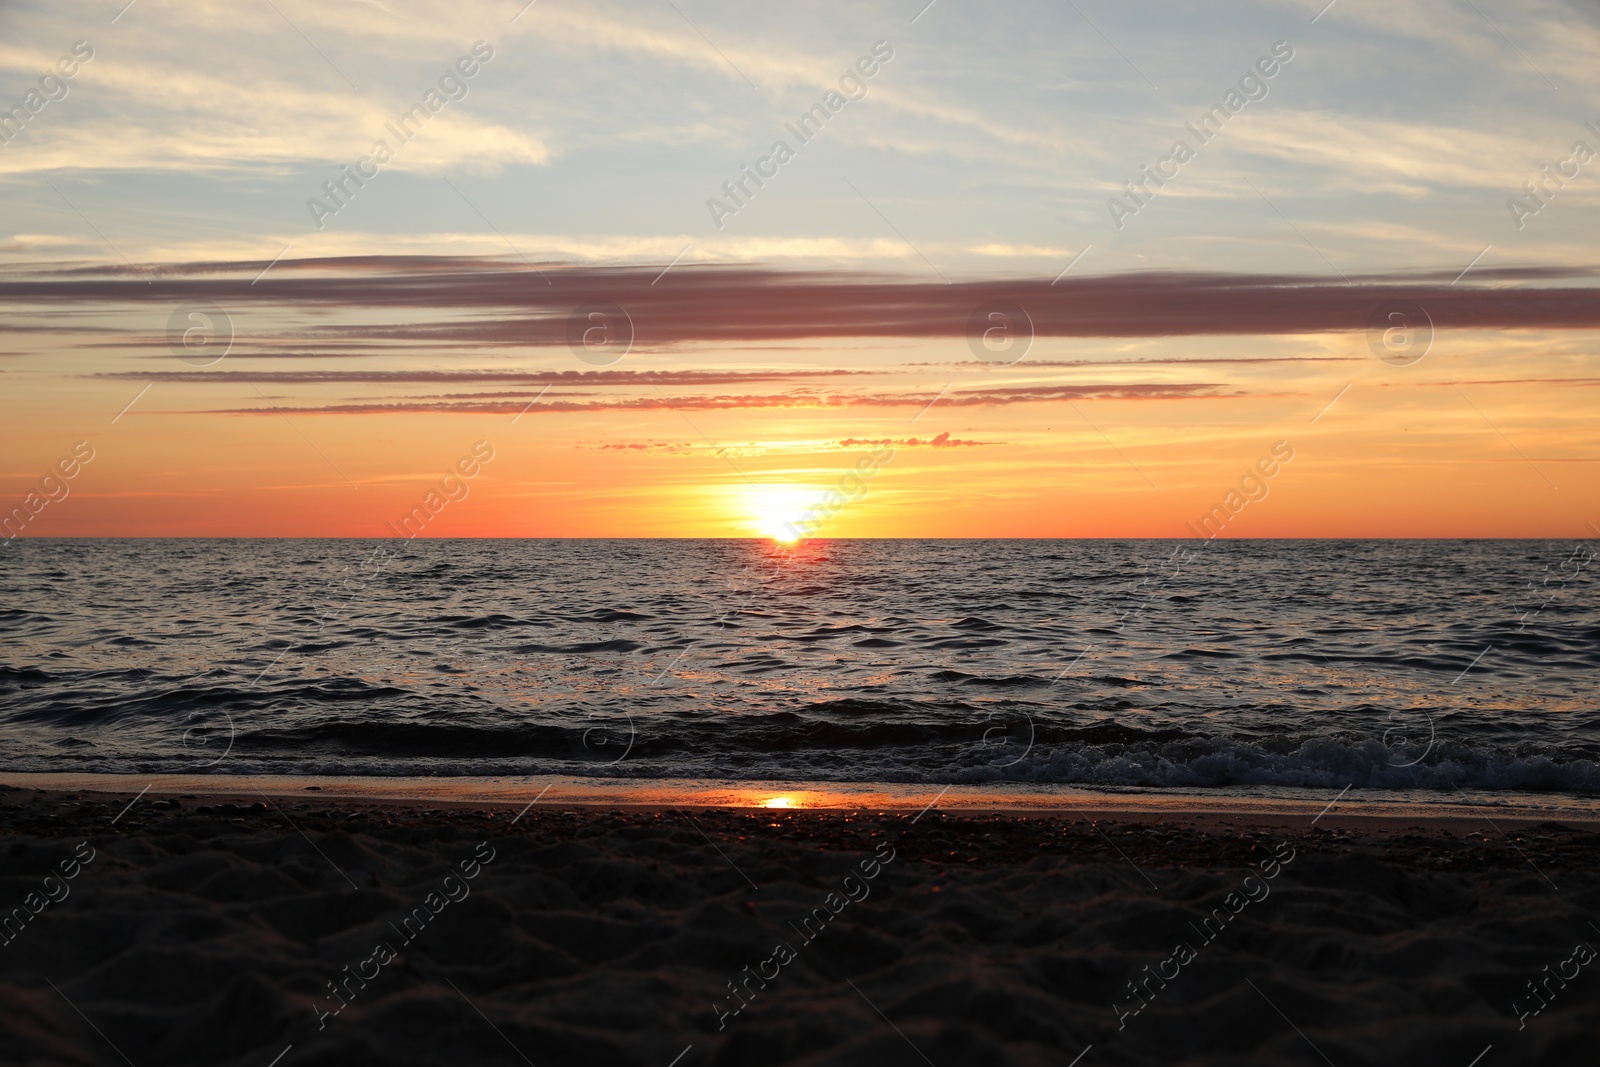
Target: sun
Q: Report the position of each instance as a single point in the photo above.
(775, 510)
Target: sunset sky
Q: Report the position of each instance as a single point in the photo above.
(782, 332)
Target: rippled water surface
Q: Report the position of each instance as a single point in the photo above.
(1402, 665)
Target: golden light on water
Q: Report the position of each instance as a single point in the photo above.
(779, 802)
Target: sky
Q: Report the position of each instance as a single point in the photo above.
(686, 269)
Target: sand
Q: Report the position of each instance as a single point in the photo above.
(207, 930)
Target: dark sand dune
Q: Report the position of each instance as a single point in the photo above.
(210, 937)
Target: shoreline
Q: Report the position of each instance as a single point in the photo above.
(1347, 810)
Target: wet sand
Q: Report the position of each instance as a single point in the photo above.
(292, 928)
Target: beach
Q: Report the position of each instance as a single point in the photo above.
(617, 577)
(239, 928)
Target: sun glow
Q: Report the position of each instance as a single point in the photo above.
(779, 802)
(774, 510)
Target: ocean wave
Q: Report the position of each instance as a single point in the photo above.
(895, 661)
(1315, 762)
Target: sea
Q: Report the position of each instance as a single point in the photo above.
(1262, 667)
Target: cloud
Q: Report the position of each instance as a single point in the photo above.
(1409, 158)
(554, 378)
(739, 304)
(1517, 381)
(1037, 394)
(754, 448)
(1149, 362)
(943, 440)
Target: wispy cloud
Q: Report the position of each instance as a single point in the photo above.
(552, 377)
(781, 448)
(745, 304)
(730, 402)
